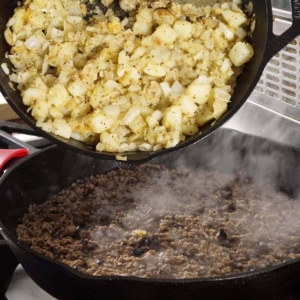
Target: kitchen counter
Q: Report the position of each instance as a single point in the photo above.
(6, 113)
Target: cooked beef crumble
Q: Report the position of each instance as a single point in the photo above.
(155, 222)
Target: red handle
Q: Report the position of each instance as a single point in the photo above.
(7, 154)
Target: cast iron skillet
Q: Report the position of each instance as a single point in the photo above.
(265, 44)
(34, 178)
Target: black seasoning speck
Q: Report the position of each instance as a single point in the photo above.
(137, 252)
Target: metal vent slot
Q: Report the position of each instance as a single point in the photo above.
(272, 78)
(290, 50)
(289, 58)
(279, 86)
(289, 101)
(289, 84)
(289, 67)
(289, 75)
(273, 70)
(273, 95)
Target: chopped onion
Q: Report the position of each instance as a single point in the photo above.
(165, 88)
(131, 115)
(111, 85)
(113, 110)
(177, 88)
(32, 43)
(5, 68)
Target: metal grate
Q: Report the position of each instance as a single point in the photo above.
(279, 86)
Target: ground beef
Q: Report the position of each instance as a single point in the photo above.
(160, 223)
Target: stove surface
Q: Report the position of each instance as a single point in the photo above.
(22, 287)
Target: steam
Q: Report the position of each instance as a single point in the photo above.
(221, 213)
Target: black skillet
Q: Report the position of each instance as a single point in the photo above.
(32, 179)
(265, 44)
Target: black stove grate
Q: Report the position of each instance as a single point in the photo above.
(8, 141)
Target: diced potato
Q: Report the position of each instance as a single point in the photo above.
(165, 33)
(110, 142)
(98, 98)
(31, 95)
(37, 18)
(234, 19)
(61, 128)
(219, 38)
(154, 70)
(197, 30)
(81, 110)
(199, 93)
(107, 2)
(205, 115)
(58, 95)
(220, 108)
(187, 105)
(41, 3)
(40, 110)
(77, 88)
(142, 28)
(19, 19)
(163, 16)
(189, 129)
(67, 51)
(172, 117)
(151, 121)
(145, 147)
(138, 126)
(172, 139)
(183, 29)
(47, 126)
(100, 122)
(128, 5)
(241, 53)
(145, 15)
(221, 95)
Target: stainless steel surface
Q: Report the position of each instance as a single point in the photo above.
(279, 86)
(273, 109)
(282, 4)
(256, 119)
(22, 287)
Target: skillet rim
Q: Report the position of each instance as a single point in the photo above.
(8, 235)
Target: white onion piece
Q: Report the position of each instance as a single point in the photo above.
(112, 110)
(177, 88)
(131, 115)
(32, 43)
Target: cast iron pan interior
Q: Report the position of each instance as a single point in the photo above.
(35, 178)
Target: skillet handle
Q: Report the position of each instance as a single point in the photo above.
(275, 42)
(8, 264)
(8, 154)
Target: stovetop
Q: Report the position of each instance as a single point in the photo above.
(275, 103)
